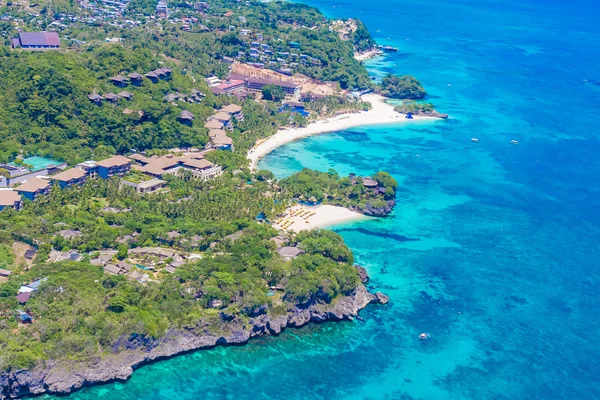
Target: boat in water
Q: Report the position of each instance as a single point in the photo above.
(424, 336)
(474, 140)
(514, 142)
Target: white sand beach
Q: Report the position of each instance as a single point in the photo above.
(380, 113)
(368, 55)
(301, 218)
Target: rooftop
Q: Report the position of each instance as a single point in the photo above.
(39, 39)
(33, 185)
(232, 109)
(115, 161)
(9, 198)
(69, 174)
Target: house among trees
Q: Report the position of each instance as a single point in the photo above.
(10, 199)
(113, 98)
(96, 98)
(289, 253)
(33, 188)
(114, 166)
(235, 111)
(186, 117)
(37, 41)
(119, 81)
(136, 79)
(153, 76)
(70, 177)
(125, 95)
(224, 118)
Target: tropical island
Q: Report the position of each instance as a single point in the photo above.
(134, 224)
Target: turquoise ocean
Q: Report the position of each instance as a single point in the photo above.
(493, 248)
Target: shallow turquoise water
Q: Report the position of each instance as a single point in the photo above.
(493, 248)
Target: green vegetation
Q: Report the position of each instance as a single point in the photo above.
(414, 107)
(94, 313)
(362, 39)
(402, 87)
(350, 192)
(273, 93)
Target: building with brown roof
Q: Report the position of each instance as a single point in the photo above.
(223, 118)
(186, 117)
(235, 111)
(116, 165)
(70, 177)
(213, 124)
(119, 81)
(10, 199)
(145, 187)
(33, 188)
(136, 79)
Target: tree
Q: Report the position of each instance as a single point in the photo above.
(273, 93)
(402, 87)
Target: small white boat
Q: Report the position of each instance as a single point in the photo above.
(514, 142)
(474, 140)
(424, 336)
(449, 85)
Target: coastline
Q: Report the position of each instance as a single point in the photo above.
(380, 113)
(367, 55)
(57, 377)
(302, 218)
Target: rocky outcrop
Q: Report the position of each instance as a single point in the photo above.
(60, 377)
(379, 211)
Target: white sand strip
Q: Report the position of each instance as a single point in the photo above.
(301, 218)
(381, 113)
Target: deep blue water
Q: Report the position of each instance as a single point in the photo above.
(493, 248)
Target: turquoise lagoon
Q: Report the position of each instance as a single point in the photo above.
(493, 248)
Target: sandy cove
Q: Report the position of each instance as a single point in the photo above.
(302, 218)
(380, 113)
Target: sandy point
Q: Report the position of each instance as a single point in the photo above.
(301, 218)
(380, 113)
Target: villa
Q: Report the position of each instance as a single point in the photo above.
(224, 118)
(34, 188)
(10, 199)
(235, 111)
(70, 177)
(117, 165)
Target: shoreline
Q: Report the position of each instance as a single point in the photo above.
(381, 113)
(302, 217)
(57, 377)
(367, 55)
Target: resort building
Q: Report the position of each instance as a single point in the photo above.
(37, 41)
(213, 124)
(255, 85)
(145, 187)
(119, 81)
(158, 167)
(235, 111)
(10, 199)
(136, 79)
(70, 177)
(89, 167)
(224, 118)
(34, 188)
(186, 117)
(289, 253)
(230, 87)
(114, 166)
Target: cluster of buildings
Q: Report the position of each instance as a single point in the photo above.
(145, 177)
(133, 78)
(222, 122)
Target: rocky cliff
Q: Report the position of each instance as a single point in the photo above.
(61, 377)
